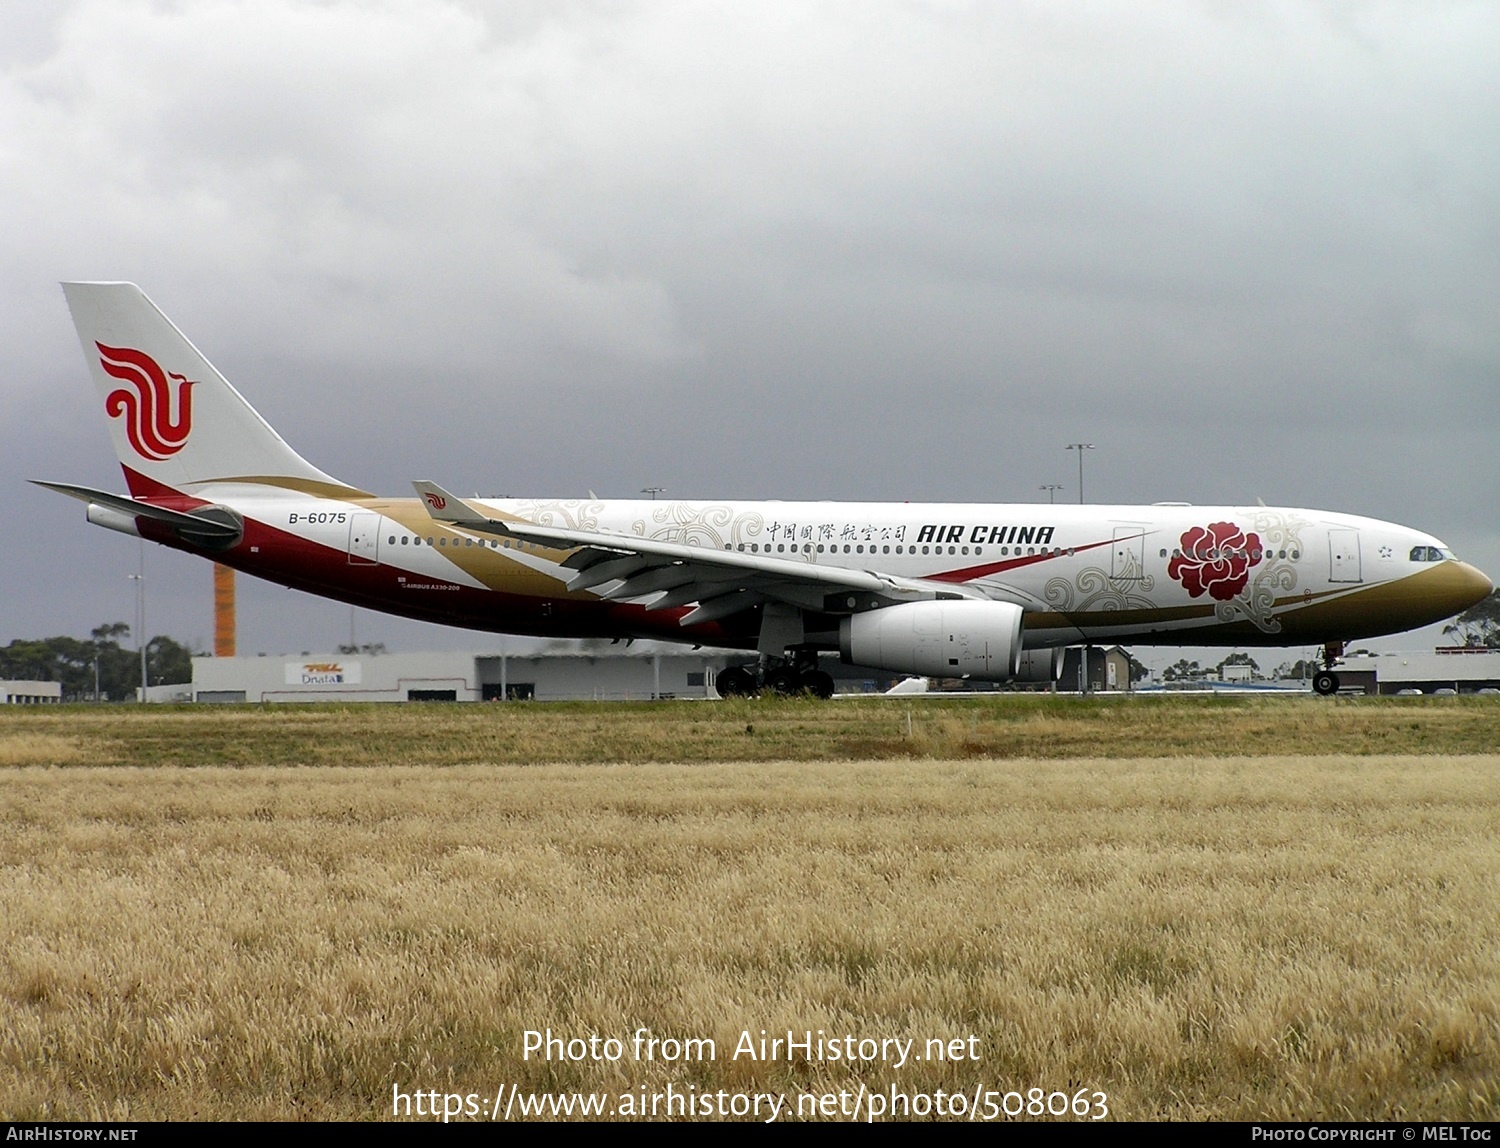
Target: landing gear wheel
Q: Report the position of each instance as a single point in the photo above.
(1325, 683)
(735, 682)
(785, 681)
(818, 683)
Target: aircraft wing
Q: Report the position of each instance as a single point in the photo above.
(721, 582)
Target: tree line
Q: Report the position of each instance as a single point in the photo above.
(1186, 671)
(1479, 625)
(98, 666)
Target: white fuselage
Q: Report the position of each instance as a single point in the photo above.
(1166, 574)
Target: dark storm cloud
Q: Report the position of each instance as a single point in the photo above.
(872, 250)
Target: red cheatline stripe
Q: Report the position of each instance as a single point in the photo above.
(969, 573)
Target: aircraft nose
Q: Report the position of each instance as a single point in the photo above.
(1474, 585)
(1439, 592)
(1461, 587)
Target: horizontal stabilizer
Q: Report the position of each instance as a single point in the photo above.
(217, 528)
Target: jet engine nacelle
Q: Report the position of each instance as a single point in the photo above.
(947, 639)
(1040, 667)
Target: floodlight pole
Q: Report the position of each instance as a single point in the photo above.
(1051, 488)
(1080, 447)
(140, 616)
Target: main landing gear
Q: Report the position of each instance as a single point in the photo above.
(778, 676)
(1325, 682)
(737, 682)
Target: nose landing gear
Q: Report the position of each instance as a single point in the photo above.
(1325, 682)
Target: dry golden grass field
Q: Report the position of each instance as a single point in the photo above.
(1233, 909)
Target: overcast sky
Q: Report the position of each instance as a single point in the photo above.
(812, 250)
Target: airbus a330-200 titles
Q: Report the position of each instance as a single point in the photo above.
(990, 592)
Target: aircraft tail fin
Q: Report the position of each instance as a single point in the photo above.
(176, 422)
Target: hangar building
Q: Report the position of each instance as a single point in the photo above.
(1447, 669)
(642, 671)
(30, 693)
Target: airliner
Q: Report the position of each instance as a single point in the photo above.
(991, 592)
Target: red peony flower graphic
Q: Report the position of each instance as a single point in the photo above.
(1217, 559)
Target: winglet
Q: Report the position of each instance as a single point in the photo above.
(446, 507)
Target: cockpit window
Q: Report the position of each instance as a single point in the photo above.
(1426, 554)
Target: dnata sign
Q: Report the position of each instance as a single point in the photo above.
(322, 673)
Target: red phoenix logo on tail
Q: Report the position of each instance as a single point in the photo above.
(148, 408)
(436, 501)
